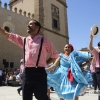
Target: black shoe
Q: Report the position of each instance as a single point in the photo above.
(18, 90)
(52, 89)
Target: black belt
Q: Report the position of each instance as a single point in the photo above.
(34, 67)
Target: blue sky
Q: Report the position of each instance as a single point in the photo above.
(82, 15)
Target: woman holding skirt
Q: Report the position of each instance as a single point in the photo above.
(68, 79)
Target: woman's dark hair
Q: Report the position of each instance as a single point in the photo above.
(37, 24)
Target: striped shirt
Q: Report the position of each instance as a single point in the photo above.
(95, 53)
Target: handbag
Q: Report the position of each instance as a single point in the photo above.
(70, 75)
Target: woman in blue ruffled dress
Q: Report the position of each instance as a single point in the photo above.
(68, 86)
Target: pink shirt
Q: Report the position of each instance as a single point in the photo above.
(95, 53)
(92, 66)
(32, 48)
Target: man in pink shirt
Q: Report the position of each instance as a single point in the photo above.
(34, 75)
(96, 53)
(92, 68)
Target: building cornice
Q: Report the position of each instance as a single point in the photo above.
(85, 49)
(63, 3)
(12, 1)
(55, 33)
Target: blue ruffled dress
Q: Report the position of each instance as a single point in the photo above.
(88, 76)
(59, 80)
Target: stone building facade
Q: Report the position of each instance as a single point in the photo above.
(52, 14)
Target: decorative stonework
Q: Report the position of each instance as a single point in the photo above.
(5, 5)
(67, 38)
(62, 2)
(41, 12)
(55, 17)
(12, 1)
(9, 18)
(55, 11)
(85, 49)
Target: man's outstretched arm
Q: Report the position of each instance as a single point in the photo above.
(91, 43)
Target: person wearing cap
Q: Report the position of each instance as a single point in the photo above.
(22, 67)
(34, 75)
(96, 53)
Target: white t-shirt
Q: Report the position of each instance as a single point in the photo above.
(18, 77)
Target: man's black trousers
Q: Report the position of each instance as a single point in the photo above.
(34, 81)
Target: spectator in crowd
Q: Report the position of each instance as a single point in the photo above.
(9, 78)
(1, 76)
(22, 67)
(6, 79)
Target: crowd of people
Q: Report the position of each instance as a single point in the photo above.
(67, 73)
(7, 76)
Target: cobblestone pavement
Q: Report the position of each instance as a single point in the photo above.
(10, 93)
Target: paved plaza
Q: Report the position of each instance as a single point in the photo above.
(10, 93)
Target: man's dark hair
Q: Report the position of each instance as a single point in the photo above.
(37, 24)
(98, 43)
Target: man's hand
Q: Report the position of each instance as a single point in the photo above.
(52, 71)
(91, 36)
